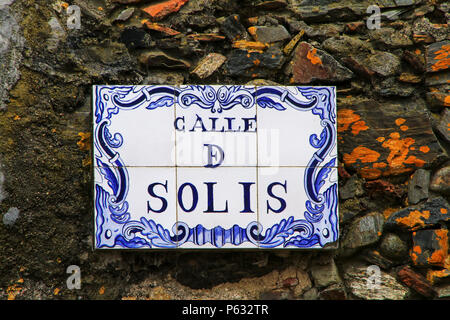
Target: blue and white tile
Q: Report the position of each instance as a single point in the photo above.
(218, 206)
(135, 207)
(218, 121)
(297, 207)
(133, 125)
(292, 126)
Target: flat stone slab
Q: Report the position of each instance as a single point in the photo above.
(213, 167)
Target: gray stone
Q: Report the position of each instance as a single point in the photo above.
(442, 125)
(391, 37)
(384, 64)
(443, 291)
(11, 47)
(418, 186)
(163, 77)
(158, 58)
(311, 294)
(363, 232)
(357, 279)
(232, 28)
(269, 34)
(393, 247)
(391, 87)
(325, 275)
(353, 187)
(208, 65)
(125, 14)
(3, 193)
(441, 181)
(344, 45)
(10, 217)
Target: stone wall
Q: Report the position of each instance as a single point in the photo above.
(393, 98)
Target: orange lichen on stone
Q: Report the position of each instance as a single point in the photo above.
(101, 291)
(312, 56)
(400, 121)
(447, 101)
(160, 10)
(160, 28)
(381, 139)
(13, 291)
(443, 56)
(439, 256)
(387, 212)
(398, 156)
(380, 165)
(414, 220)
(444, 211)
(252, 31)
(433, 275)
(365, 155)
(359, 126)
(347, 117)
(85, 141)
(250, 45)
(415, 161)
(256, 62)
(424, 149)
(404, 128)
(369, 173)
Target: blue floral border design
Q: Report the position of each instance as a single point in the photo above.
(114, 229)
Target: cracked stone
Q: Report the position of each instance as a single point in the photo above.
(310, 64)
(363, 232)
(441, 181)
(428, 214)
(418, 186)
(393, 247)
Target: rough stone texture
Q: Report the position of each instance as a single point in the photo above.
(418, 186)
(208, 65)
(310, 64)
(269, 34)
(438, 56)
(428, 214)
(160, 10)
(393, 247)
(10, 217)
(254, 63)
(353, 187)
(11, 45)
(442, 125)
(364, 231)
(441, 180)
(430, 248)
(381, 139)
(356, 280)
(325, 275)
(416, 282)
(375, 258)
(392, 91)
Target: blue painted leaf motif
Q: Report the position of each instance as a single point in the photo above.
(167, 101)
(109, 175)
(323, 174)
(266, 102)
(318, 143)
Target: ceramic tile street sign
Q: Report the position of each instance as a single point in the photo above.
(215, 167)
